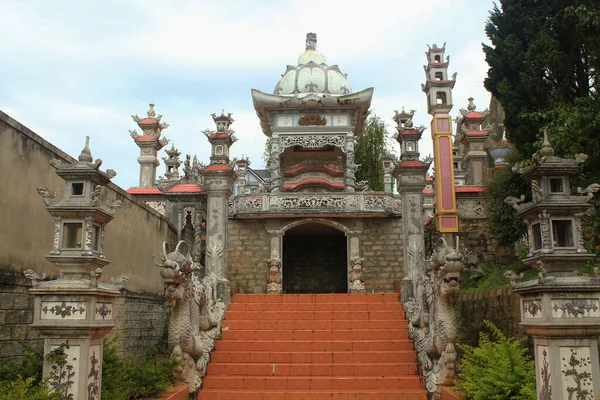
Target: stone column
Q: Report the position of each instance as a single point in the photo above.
(476, 156)
(218, 183)
(275, 272)
(411, 182)
(350, 178)
(356, 268)
(276, 184)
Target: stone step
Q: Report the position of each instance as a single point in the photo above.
(406, 356)
(313, 324)
(338, 394)
(317, 298)
(311, 382)
(328, 334)
(314, 345)
(316, 315)
(312, 369)
(287, 306)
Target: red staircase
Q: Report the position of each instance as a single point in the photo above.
(315, 347)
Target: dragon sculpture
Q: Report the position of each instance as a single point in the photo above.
(196, 314)
(432, 321)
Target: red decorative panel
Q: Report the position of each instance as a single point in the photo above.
(446, 175)
(443, 124)
(448, 223)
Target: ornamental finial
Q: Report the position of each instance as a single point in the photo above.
(86, 154)
(311, 41)
(546, 149)
(471, 106)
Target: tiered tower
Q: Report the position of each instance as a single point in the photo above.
(149, 143)
(438, 88)
(172, 163)
(473, 137)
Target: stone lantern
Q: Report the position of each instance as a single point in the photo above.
(76, 308)
(388, 164)
(241, 167)
(560, 309)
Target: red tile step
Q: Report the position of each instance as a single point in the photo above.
(314, 346)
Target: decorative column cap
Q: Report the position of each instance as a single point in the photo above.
(151, 127)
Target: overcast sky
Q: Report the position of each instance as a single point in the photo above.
(76, 68)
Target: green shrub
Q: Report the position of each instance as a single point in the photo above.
(483, 279)
(26, 389)
(126, 379)
(30, 366)
(497, 369)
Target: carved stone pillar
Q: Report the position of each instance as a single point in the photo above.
(350, 178)
(275, 272)
(356, 270)
(411, 182)
(218, 183)
(274, 167)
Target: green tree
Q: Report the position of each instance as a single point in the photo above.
(544, 69)
(368, 150)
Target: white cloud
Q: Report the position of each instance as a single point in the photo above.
(98, 77)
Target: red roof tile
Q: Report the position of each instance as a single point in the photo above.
(469, 189)
(147, 121)
(186, 188)
(312, 181)
(217, 167)
(219, 136)
(474, 115)
(412, 164)
(145, 138)
(300, 167)
(429, 179)
(139, 190)
(427, 191)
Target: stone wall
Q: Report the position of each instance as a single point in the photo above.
(248, 248)
(27, 233)
(16, 315)
(380, 246)
(500, 306)
(141, 320)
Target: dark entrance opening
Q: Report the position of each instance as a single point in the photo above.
(314, 260)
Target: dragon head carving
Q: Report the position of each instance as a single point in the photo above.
(177, 269)
(446, 264)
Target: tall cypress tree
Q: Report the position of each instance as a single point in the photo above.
(367, 152)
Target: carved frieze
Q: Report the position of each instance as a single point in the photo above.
(576, 372)
(158, 206)
(471, 208)
(312, 141)
(62, 310)
(575, 308)
(312, 119)
(532, 309)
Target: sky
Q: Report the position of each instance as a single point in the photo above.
(73, 68)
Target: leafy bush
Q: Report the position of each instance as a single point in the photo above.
(482, 279)
(497, 369)
(26, 389)
(30, 366)
(125, 379)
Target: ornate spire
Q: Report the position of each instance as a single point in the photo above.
(471, 106)
(86, 154)
(311, 41)
(223, 121)
(546, 149)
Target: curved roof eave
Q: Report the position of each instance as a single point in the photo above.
(264, 102)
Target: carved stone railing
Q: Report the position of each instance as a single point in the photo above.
(268, 204)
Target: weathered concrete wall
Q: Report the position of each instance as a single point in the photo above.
(26, 236)
(380, 246)
(27, 229)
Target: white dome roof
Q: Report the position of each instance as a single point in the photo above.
(312, 75)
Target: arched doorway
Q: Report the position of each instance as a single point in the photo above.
(315, 259)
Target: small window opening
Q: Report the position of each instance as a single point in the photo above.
(171, 168)
(536, 231)
(562, 233)
(557, 185)
(410, 146)
(77, 189)
(439, 76)
(437, 58)
(72, 235)
(455, 164)
(440, 98)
